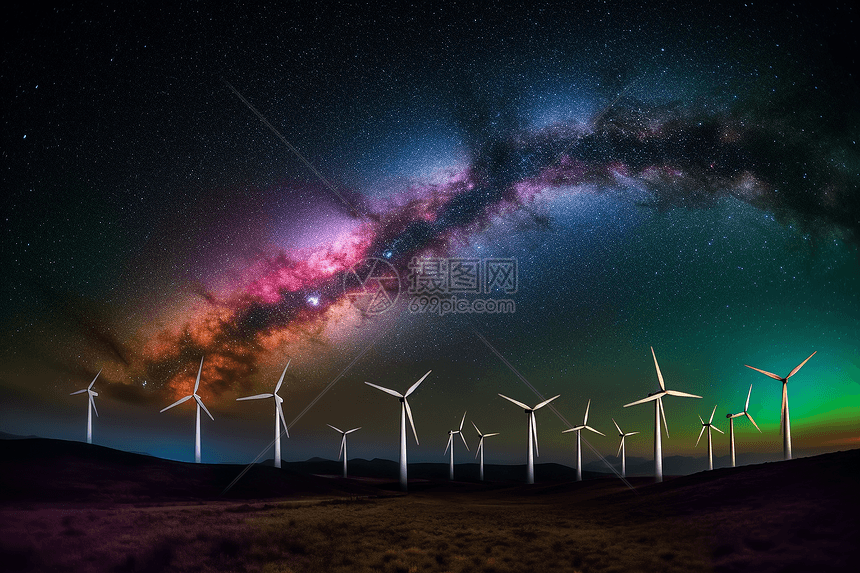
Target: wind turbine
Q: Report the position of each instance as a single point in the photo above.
(279, 413)
(657, 398)
(343, 444)
(199, 405)
(578, 430)
(784, 422)
(451, 445)
(533, 443)
(732, 417)
(481, 448)
(622, 450)
(404, 412)
(710, 426)
(91, 405)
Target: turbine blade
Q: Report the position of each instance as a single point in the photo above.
(765, 372)
(648, 399)
(335, 429)
(199, 371)
(414, 386)
(659, 374)
(753, 421)
(178, 402)
(617, 427)
(702, 431)
(352, 430)
(681, 394)
(477, 430)
(93, 402)
(100, 371)
(257, 397)
(620, 445)
(480, 445)
(569, 430)
(593, 430)
(747, 405)
(585, 419)
(202, 405)
(386, 390)
(78, 392)
(448, 445)
(464, 441)
(283, 420)
(630, 434)
(717, 429)
(712, 414)
(702, 421)
(461, 421)
(663, 414)
(520, 404)
(793, 372)
(342, 444)
(284, 373)
(411, 421)
(545, 402)
(534, 430)
(488, 435)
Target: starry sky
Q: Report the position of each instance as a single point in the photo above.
(194, 181)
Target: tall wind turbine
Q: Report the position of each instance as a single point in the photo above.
(279, 414)
(481, 448)
(405, 412)
(622, 450)
(199, 405)
(710, 426)
(91, 405)
(578, 430)
(451, 445)
(732, 417)
(343, 444)
(657, 398)
(784, 422)
(533, 443)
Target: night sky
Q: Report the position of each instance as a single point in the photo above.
(191, 180)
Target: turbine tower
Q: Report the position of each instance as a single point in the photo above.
(533, 443)
(657, 398)
(451, 445)
(732, 417)
(279, 414)
(710, 426)
(342, 451)
(784, 422)
(481, 448)
(578, 430)
(199, 405)
(622, 449)
(405, 412)
(91, 405)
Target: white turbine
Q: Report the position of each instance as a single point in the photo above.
(578, 430)
(732, 417)
(405, 412)
(199, 405)
(279, 414)
(785, 424)
(533, 443)
(622, 449)
(343, 444)
(451, 445)
(481, 448)
(657, 398)
(710, 426)
(91, 405)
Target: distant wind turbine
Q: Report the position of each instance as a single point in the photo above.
(451, 445)
(622, 450)
(91, 406)
(342, 451)
(279, 414)
(405, 412)
(710, 426)
(199, 405)
(732, 417)
(533, 443)
(481, 448)
(784, 421)
(578, 430)
(657, 398)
